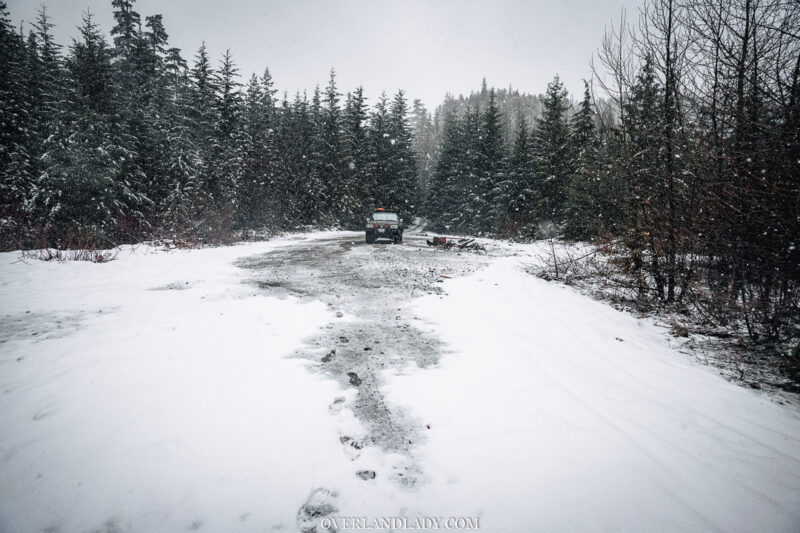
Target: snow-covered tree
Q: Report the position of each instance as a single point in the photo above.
(357, 158)
(425, 147)
(551, 149)
(401, 186)
(339, 194)
(16, 165)
(583, 216)
(492, 191)
(259, 186)
(379, 153)
(522, 187)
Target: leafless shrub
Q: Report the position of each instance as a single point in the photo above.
(54, 254)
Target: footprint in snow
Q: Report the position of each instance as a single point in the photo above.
(366, 474)
(320, 503)
(338, 404)
(352, 447)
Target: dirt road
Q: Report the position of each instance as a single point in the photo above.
(368, 286)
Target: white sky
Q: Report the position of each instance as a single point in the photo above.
(427, 48)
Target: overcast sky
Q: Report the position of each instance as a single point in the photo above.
(427, 48)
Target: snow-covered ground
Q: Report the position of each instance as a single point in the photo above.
(163, 391)
(554, 412)
(152, 393)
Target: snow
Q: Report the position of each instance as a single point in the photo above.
(553, 412)
(159, 393)
(162, 400)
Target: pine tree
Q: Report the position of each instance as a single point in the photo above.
(50, 68)
(132, 132)
(424, 146)
(551, 148)
(153, 145)
(88, 193)
(522, 188)
(583, 212)
(15, 158)
(226, 159)
(89, 66)
(339, 196)
(129, 59)
(357, 157)
(203, 117)
(443, 205)
(379, 173)
(311, 190)
(258, 202)
(48, 102)
(183, 169)
(287, 167)
(33, 125)
(466, 192)
(492, 191)
(402, 168)
(125, 30)
(643, 166)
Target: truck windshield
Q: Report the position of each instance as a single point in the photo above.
(385, 217)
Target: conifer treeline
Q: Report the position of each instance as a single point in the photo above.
(507, 175)
(691, 172)
(107, 143)
(688, 161)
